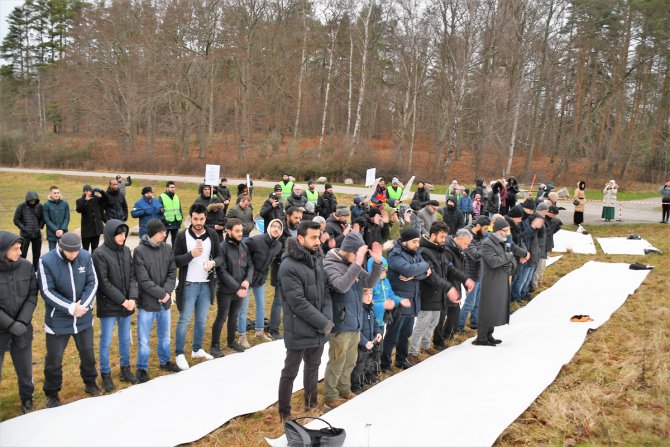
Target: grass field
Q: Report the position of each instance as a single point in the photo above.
(616, 390)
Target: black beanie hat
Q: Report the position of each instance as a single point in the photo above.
(528, 204)
(408, 234)
(154, 226)
(147, 189)
(515, 211)
(499, 224)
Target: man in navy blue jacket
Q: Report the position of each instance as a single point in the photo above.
(68, 284)
(406, 269)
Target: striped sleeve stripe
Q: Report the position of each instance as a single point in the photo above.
(47, 293)
(95, 287)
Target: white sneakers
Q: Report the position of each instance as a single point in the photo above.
(201, 354)
(181, 362)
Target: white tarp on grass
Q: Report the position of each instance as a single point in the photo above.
(573, 241)
(468, 395)
(166, 411)
(623, 246)
(553, 259)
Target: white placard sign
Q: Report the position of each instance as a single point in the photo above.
(370, 176)
(249, 182)
(212, 174)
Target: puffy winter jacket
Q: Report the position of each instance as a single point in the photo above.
(307, 304)
(18, 288)
(116, 274)
(263, 251)
(270, 213)
(146, 209)
(156, 274)
(473, 257)
(28, 218)
(434, 288)
(246, 216)
(335, 229)
(402, 262)
(346, 282)
(56, 217)
(297, 201)
(370, 328)
(115, 205)
(327, 204)
(236, 266)
(63, 284)
(382, 292)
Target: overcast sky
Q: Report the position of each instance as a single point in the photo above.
(6, 7)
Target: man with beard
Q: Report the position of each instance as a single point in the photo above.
(272, 209)
(436, 290)
(116, 299)
(452, 216)
(222, 191)
(529, 234)
(216, 210)
(18, 299)
(264, 250)
(337, 225)
(56, 216)
(472, 265)
(327, 203)
(429, 215)
(286, 185)
(307, 314)
(453, 248)
(28, 219)
(377, 228)
(146, 209)
(515, 219)
(243, 212)
(406, 269)
(235, 277)
(197, 252)
(114, 204)
(293, 219)
(297, 199)
(311, 193)
(421, 196)
(497, 264)
(173, 216)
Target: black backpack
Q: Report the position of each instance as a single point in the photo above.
(299, 436)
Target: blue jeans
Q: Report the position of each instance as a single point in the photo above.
(197, 297)
(522, 281)
(52, 245)
(275, 311)
(106, 331)
(145, 322)
(471, 307)
(259, 298)
(397, 336)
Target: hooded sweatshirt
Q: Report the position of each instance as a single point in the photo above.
(116, 273)
(18, 288)
(264, 251)
(28, 218)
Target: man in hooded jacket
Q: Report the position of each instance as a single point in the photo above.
(116, 299)
(28, 219)
(18, 298)
(216, 209)
(452, 216)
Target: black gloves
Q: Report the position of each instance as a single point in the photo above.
(17, 328)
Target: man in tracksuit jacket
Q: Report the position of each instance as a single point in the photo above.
(18, 298)
(68, 284)
(347, 277)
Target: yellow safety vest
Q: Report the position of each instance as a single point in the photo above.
(172, 208)
(312, 196)
(286, 189)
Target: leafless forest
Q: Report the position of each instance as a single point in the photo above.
(330, 87)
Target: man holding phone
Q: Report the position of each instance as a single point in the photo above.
(196, 252)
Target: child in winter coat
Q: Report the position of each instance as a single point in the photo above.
(371, 336)
(465, 205)
(477, 206)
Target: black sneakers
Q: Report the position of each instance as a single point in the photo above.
(107, 382)
(92, 389)
(142, 376)
(127, 375)
(235, 346)
(53, 401)
(26, 406)
(495, 341)
(169, 366)
(483, 343)
(216, 352)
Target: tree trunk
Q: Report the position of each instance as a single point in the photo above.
(361, 93)
(331, 57)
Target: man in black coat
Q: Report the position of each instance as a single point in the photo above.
(337, 225)
(327, 202)
(197, 252)
(18, 298)
(116, 299)
(421, 197)
(235, 275)
(436, 290)
(114, 203)
(28, 218)
(452, 216)
(272, 209)
(472, 257)
(377, 228)
(216, 209)
(89, 205)
(308, 315)
(453, 248)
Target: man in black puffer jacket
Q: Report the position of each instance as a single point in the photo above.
(114, 203)
(452, 216)
(308, 314)
(454, 246)
(18, 298)
(28, 218)
(116, 299)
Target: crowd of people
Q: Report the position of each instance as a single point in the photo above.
(331, 280)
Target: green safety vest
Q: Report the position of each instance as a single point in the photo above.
(286, 189)
(172, 208)
(395, 193)
(312, 196)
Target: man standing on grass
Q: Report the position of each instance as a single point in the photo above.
(156, 275)
(114, 203)
(172, 215)
(307, 314)
(347, 277)
(197, 253)
(18, 298)
(28, 219)
(68, 284)
(56, 217)
(116, 299)
(146, 209)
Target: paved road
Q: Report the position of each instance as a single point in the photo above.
(632, 212)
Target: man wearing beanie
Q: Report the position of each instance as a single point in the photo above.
(116, 299)
(358, 209)
(68, 284)
(347, 278)
(472, 256)
(497, 264)
(146, 209)
(272, 209)
(429, 215)
(156, 275)
(406, 269)
(377, 228)
(337, 224)
(18, 298)
(530, 229)
(90, 206)
(327, 203)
